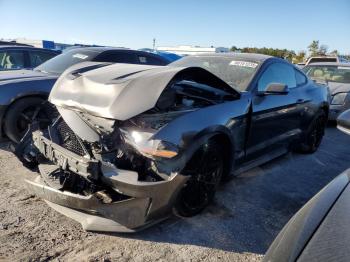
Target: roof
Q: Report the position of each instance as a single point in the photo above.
(97, 48)
(27, 48)
(323, 56)
(248, 56)
(7, 43)
(101, 49)
(329, 64)
(106, 48)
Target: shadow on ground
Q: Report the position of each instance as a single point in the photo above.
(250, 210)
(5, 145)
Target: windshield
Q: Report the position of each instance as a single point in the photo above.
(235, 72)
(338, 74)
(61, 62)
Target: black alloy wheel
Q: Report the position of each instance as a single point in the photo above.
(205, 170)
(22, 114)
(315, 134)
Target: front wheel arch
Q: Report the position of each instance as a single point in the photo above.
(12, 105)
(204, 171)
(228, 148)
(218, 135)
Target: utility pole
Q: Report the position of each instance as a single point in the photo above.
(154, 44)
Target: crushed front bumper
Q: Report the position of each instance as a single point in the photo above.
(147, 202)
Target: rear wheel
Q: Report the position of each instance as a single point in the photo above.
(21, 114)
(205, 170)
(314, 134)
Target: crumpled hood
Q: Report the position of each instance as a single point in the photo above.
(338, 87)
(14, 76)
(118, 91)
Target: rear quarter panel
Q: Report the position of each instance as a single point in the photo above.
(316, 98)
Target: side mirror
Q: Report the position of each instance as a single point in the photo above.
(343, 122)
(276, 89)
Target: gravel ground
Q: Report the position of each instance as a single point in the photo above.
(240, 225)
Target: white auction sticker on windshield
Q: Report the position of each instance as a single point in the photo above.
(80, 56)
(244, 64)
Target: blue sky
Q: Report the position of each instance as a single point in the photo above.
(131, 23)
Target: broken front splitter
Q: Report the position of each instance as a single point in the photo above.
(146, 202)
(150, 202)
(91, 212)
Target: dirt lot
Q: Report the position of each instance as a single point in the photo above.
(246, 216)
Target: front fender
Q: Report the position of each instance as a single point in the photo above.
(199, 126)
(222, 117)
(13, 91)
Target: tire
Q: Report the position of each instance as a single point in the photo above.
(21, 114)
(205, 170)
(314, 134)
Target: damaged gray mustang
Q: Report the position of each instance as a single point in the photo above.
(131, 144)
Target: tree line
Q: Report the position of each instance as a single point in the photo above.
(315, 49)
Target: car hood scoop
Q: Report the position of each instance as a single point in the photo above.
(122, 91)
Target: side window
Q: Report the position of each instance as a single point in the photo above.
(11, 60)
(117, 57)
(277, 73)
(37, 57)
(2, 60)
(300, 78)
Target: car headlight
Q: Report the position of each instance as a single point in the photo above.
(142, 141)
(339, 98)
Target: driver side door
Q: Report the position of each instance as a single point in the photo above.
(275, 117)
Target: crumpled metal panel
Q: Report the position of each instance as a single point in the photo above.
(119, 91)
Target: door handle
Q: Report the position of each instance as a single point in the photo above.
(301, 101)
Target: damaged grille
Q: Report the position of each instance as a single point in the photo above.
(69, 140)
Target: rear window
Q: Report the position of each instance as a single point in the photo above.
(117, 57)
(149, 60)
(322, 59)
